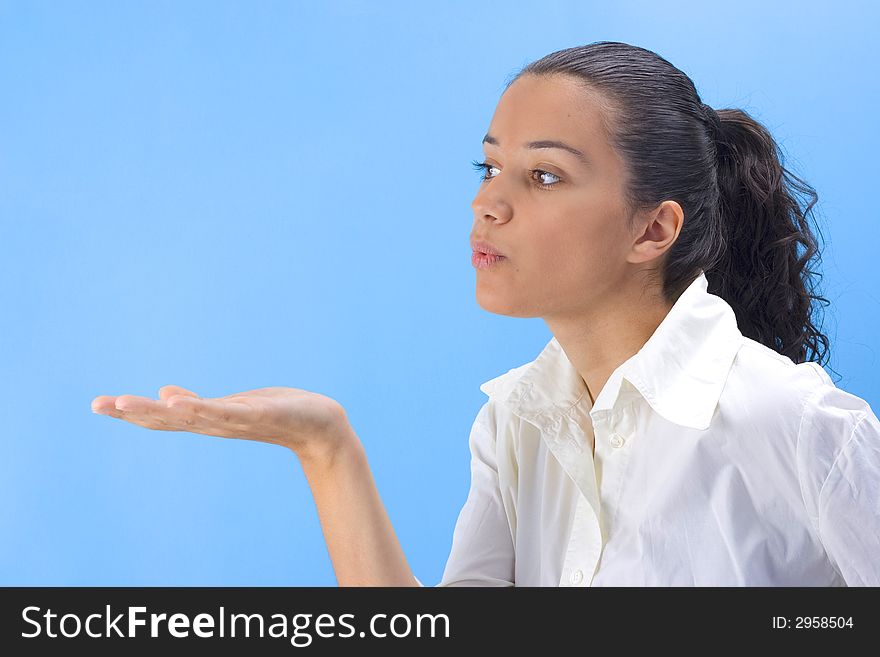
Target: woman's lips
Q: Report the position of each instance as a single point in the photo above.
(482, 246)
(482, 260)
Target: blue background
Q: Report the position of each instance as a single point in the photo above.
(220, 195)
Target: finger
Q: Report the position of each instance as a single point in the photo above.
(165, 392)
(105, 405)
(101, 403)
(184, 413)
(158, 414)
(134, 404)
(144, 412)
(218, 412)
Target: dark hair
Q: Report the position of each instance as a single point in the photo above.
(744, 225)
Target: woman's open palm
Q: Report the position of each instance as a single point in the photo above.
(304, 421)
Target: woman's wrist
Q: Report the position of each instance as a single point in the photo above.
(321, 456)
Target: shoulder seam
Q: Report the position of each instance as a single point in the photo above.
(825, 481)
(807, 399)
(852, 435)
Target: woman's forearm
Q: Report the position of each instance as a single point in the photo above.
(362, 544)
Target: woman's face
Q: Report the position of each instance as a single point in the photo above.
(566, 244)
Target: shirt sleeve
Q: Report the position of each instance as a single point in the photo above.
(843, 437)
(482, 551)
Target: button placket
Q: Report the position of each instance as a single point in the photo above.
(614, 466)
(584, 547)
(585, 539)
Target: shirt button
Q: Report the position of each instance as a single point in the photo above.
(617, 440)
(577, 576)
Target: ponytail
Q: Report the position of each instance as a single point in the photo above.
(764, 271)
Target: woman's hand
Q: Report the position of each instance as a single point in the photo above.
(310, 424)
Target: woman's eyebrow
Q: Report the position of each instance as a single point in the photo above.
(545, 143)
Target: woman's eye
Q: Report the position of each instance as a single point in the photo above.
(545, 173)
(485, 167)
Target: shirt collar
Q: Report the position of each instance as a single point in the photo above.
(680, 371)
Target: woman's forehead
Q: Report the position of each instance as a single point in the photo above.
(547, 108)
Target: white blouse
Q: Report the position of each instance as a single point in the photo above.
(719, 462)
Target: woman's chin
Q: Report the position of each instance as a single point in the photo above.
(492, 303)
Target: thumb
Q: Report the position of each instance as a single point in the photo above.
(165, 392)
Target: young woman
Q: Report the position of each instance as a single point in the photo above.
(675, 431)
